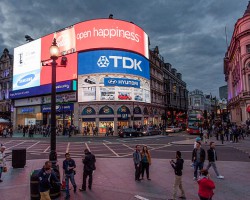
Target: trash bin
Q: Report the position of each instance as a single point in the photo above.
(34, 187)
(18, 158)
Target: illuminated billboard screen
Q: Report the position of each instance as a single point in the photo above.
(110, 75)
(112, 61)
(29, 72)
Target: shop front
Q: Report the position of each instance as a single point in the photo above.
(29, 115)
(89, 121)
(123, 117)
(106, 121)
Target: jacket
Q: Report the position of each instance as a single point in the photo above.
(206, 187)
(202, 155)
(210, 155)
(68, 163)
(137, 157)
(45, 180)
(2, 159)
(178, 166)
(147, 155)
(89, 162)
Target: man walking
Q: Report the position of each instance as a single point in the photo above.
(45, 176)
(2, 161)
(198, 158)
(212, 157)
(178, 167)
(137, 162)
(89, 167)
(68, 168)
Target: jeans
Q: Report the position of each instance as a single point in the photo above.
(145, 166)
(72, 180)
(1, 170)
(178, 183)
(85, 175)
(196, 166)
(137, 171)
(214, 167)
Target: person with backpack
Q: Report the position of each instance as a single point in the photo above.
(89, 167)
(178, 167)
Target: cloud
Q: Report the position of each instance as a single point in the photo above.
(190, 34)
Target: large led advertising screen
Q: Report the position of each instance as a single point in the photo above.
(113, 61)
(29, 72)
(111, 75)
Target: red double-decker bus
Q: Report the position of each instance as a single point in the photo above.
(194, 121)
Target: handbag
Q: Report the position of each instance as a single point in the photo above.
(5, 169)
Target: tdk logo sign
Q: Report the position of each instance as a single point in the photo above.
(25, 80)
(125, 62)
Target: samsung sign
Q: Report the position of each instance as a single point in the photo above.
(112, 61)
(41, 90)
(122, 82)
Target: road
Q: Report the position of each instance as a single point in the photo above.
(161, 147)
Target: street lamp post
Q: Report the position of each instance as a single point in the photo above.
(54, 53)
(63, 116)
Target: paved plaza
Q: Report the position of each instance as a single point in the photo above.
(114, 177)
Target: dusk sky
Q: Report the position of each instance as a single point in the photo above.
(190, 33)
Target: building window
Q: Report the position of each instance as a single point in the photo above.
(248, 48)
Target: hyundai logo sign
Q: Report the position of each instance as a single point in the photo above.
(112, 81)
(25, 80)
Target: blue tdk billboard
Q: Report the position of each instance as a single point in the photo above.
(113, 61)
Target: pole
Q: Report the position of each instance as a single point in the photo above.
(63, 118)
(53, 155)
(133, 114)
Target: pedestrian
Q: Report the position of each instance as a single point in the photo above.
(68, 168)
(89, 167)
(137, 162)
(5, 132)
(206, 186)
(198, 158)
(212, 157)
(45, 176)
(2, 161)
(178, 167)
(145, 161)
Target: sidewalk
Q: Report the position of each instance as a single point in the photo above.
(114, 179)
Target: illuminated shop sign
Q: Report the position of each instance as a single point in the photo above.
(27, 110)
(123, 82)
(59, 108)
(112, 61)
(41, 90)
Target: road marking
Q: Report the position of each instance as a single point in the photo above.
(33, 145)
(107, 141)
(16, 145)
(140, 197)
(87, 146)
(156, 148)
(111, 150)
(46, 149)
(128, 147)
(67, 150)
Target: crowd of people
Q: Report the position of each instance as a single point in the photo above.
(45, 130)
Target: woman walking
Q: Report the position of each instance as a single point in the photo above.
(145, 161)
(206, 186)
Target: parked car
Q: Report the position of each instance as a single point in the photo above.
(151, 131)
(124, 97)
(129, 132)
(173, 129)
